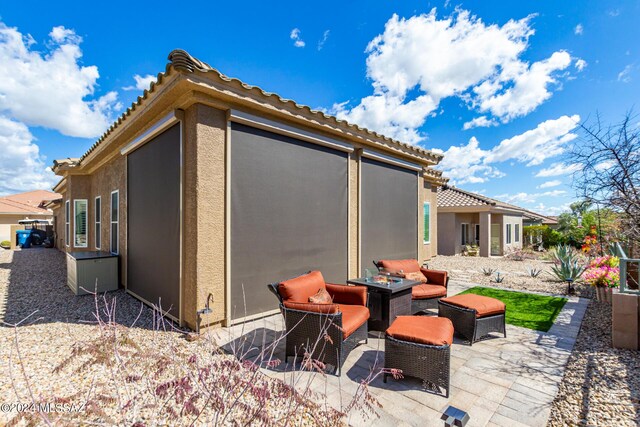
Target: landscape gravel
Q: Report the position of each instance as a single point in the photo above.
(57, 353)
(515, 273)
(601, 385)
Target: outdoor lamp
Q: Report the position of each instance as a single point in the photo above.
(205, 310)
(570, 289)
(453, 416)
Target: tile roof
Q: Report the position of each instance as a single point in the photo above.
(182, 61)
(29, 202)
(449, 196)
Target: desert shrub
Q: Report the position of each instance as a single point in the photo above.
(5, 244)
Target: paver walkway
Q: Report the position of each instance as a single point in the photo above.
(501, 381)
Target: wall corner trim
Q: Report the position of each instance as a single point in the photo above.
(157, 128)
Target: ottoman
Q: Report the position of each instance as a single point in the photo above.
(474, 316)
(420, 346)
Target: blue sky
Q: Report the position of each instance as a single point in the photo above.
(419, 71)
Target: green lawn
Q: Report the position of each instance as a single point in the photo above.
(531, 311)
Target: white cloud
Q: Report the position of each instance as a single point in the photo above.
(470, 163)
(528, 197)
(22, 168)
(580, 64)
(417, 62)
(613, 13)
(295, 36)
(323, 40)
(51, 89)
(142, 82)
(624, 76)
(534, 146)
(542, 209)
(578, 30)
(479, 122)
(549, 184)
(558, 169)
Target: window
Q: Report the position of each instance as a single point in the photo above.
(508, 234)
(517, 233)
(97, 213)
(427, 223)
(80, 223)
(67, 224)
(465, 234)
(477, 234)
(115, 199)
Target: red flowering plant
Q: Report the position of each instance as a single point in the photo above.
(603, 272)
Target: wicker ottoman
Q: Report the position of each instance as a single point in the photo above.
(420, 346)
(474, 316)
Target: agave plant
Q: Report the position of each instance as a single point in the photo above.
(568, 270)
(488, 271)
(534, 272)
(563, 253)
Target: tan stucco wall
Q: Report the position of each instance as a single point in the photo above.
(446, 233)
(204, 257)
(513, 220)
(354, 200)
(109, 177)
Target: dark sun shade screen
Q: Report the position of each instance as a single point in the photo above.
(153, 215)
(389, 212)
(288, 215)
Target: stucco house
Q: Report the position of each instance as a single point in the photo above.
(466, 218)
(209, 189)
(21, 206)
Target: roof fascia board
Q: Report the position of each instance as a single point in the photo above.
(464, 209)
(221, 91)
(284, 129)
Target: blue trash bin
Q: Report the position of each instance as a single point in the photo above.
(24, 238)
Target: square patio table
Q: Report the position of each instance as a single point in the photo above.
(386, 300)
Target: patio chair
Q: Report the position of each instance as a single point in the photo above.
(328, 332)
(423, 296)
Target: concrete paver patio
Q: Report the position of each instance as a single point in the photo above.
(499, 381)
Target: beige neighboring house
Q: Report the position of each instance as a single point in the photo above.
(208, 189)
(466, 218)
(28, 205)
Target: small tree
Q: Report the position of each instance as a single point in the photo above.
(609, 174)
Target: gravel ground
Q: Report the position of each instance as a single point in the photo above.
(60, 354)
(469, 269)
(601, 385)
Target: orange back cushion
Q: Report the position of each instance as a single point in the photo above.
(302, 287)
(394, 266)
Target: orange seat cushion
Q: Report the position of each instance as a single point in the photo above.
(312, 307)
(428, 291)
(353, 316)
(422, 330)
(484, 306)
(393, 266)
(302, 287)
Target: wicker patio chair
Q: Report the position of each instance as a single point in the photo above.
(420, 346)
(328, 332)
(474, 316)
(425, 296)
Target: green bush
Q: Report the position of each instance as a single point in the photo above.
(5, 244)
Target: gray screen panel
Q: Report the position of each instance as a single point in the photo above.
(389, 212)
(153, 230)
(288, 214)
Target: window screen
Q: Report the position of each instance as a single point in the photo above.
(80, 223)
(288, 215)
(98, 231)
(388, 212)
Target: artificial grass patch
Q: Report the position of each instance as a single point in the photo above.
(530, 311)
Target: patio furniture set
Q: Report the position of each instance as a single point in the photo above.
(326, 321)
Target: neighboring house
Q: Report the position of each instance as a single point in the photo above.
(209, 188)
(466, 218)
(532, 218)
(28, 205)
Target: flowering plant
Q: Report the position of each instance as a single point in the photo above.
(603, 272)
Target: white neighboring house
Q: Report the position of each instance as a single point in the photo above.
(28, 205)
